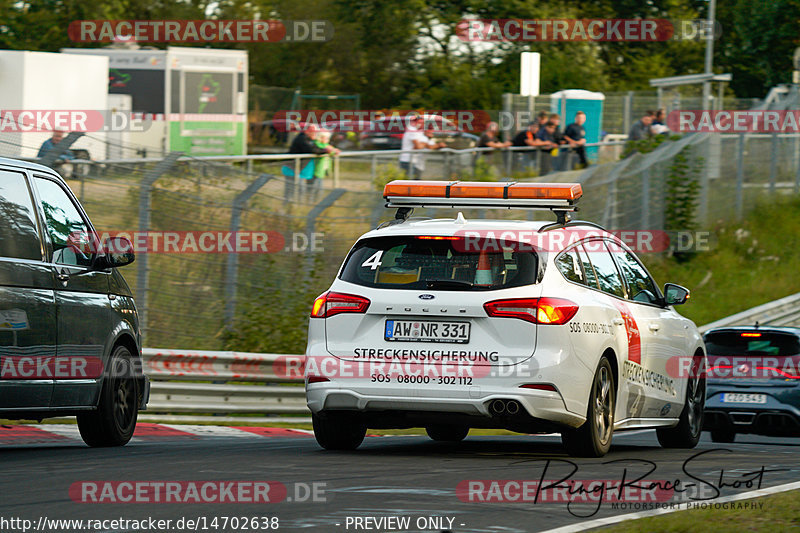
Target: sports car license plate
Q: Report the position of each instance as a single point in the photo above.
(743, 397)
(424, 331)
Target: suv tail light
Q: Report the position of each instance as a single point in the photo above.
(332, 303)
(556, 311)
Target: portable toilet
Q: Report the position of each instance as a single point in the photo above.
(568, 102)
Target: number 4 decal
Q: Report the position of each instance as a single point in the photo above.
(374, 260)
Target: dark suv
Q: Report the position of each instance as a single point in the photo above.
(69, 333)
(753, 382)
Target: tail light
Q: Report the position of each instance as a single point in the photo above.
(539, 386)
(332, 303)
(556, 311)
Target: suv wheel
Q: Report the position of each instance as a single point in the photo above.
(338, 431)
(447, 433)
(593, 438)
(723, 435)
(687, 433)
(114, 420)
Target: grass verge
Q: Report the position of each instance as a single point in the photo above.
(750, 262)
(776, 513)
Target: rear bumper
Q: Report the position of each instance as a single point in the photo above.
(779, 416)
(474, 402)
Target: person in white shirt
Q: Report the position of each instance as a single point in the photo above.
(416, 138)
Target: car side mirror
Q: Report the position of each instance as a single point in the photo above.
(675, 294)
(117, 252)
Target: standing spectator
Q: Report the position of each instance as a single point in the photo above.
(548, 146)
(542, 117)
(555, 118)
(51, 143)
(489, 139)
(304, 144)
(641, 128)
(322, 166)
(558, 137)
(527, 138)
(659, 125)
(62, 163)
(575, 135)
(415, 138)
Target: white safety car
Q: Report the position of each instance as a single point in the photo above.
(531, 326)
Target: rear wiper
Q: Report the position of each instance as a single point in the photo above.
(444, 283)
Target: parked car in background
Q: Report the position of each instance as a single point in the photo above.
(387, 134)
(753, 382)
(278, 132)
(347, 134)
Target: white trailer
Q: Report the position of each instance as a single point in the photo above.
(42, 82)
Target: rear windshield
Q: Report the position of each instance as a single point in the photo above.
(752, 343)
(441, 263)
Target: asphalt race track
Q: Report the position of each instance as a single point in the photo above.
(399, 476)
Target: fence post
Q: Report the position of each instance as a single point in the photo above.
(508, 109)
(712, 172)
(645, 221)
(740, 177)
(232, 266)
(142, 272)
(627, 112)
(797, 161)
(773, 164)
(311, 220)
(336, 171)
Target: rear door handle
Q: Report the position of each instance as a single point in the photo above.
(618, 322)
(655, 326)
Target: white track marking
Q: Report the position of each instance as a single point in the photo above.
(65, 430)
(600, 522)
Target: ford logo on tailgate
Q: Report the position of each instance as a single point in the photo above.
(426, 296)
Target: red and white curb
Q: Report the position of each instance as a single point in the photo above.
(11, 435)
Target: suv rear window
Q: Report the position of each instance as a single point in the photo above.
(752, 343)
(441, 263)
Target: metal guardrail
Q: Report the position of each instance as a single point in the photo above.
(215, 378)
(450, 158)
(224, 383)
(783, 312)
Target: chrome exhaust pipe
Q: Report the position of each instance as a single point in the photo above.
(497, 407)
(512, 407)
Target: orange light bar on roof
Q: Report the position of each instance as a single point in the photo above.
(546, 191)
(429, 189)
(481, 190)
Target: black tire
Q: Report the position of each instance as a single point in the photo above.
(724, 436)
(338, 430)
(593, 438)
(447, 433)
(690, 426)
(114, 420)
